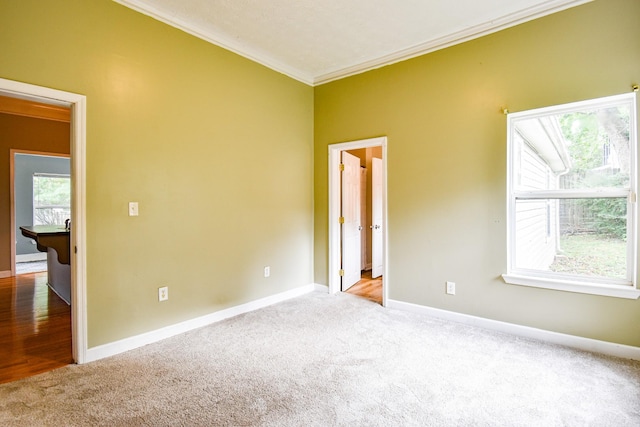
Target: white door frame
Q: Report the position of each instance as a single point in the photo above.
(78, 104)
(334, 210)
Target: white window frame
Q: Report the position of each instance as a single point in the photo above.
(622, 288)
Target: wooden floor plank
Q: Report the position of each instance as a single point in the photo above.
(368, 288)
(35, 327)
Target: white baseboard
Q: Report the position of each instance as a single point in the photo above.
(587, 344)
(320, 288)
(111, 349)
(5, 274)
(40, 256)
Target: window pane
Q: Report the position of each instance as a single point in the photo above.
(587, 149)
(585, 237)
(51, 199)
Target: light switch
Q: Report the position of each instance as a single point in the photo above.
(133, 208)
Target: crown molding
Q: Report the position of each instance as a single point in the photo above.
(217, 39)
(477, 31)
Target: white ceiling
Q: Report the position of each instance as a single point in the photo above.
(316, 41)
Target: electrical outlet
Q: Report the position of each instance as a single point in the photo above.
(451, 288)
(267, 271)
(163, 293)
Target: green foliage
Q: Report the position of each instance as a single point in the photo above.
(581, 130)
(587, 133)
(51, 199)
(609, 216)
(51, 190)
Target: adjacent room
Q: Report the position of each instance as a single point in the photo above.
(319, 213)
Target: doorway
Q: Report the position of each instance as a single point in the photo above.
(77, 105)
(336, 218)
(41, 195)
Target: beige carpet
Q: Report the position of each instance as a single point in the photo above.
(322, 360)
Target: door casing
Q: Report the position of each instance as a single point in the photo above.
(77, 103)
(377, 261)
(334, 210)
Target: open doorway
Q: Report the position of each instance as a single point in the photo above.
(357, 218)
(41, 197)
(361, 209)
(36, 315)
(75, 104)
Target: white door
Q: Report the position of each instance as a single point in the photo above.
(376, 218)
(363, 219)
(351, 227)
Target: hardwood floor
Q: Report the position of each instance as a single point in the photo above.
(368, 288)
(35, 327)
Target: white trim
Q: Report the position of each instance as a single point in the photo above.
(596, 193)
(334, 210)
(265, 58)
(131, 343)
(219, 39)
(39, 256)
(475, 32)
(6, 273)
(618, 291)
(591, 104)
(78, 203)
(627, 288)
(581, 343)
(321, 288)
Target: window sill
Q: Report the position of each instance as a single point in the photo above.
(616, 291)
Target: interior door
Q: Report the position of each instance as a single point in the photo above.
(351, 227)
(363, 219)
(377, 262)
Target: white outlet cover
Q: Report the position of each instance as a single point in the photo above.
(451, 288)
(163, 293)
(267, 271)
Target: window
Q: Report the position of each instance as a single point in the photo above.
(51, 198)
(571, 197)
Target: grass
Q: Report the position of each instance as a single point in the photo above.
(591, 255)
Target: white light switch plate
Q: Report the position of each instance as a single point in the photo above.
(133, 208)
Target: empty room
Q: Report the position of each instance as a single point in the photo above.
(294, 213)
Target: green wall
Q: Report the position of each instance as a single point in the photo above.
(217, 150)
(447, 159)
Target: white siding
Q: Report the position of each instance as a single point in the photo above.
(536, 220)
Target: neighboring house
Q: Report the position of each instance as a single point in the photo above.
(542, 159)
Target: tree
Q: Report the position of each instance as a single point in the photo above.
(599, 145)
